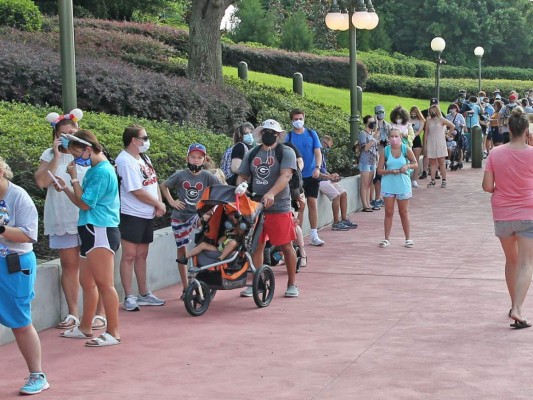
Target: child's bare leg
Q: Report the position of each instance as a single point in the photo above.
(199, 248)
(231, 246)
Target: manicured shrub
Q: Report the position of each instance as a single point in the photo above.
(425, 87)
(21, 14)
(329, 71)
(32, 74)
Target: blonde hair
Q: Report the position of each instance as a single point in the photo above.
(8, 174)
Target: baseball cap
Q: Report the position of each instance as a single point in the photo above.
(379, 109)
(434, 101)
(268, 124)
(196, 147)
(513, 97)
(496, 91)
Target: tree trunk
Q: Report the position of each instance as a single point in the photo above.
(205, 49)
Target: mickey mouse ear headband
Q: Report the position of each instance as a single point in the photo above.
(73, 138)
(75, 115)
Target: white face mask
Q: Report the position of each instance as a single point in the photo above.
(144, 147)
(398, 122)
(298, 124)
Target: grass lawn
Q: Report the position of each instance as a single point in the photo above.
(333, 96)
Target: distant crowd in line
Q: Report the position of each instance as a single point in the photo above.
(93, 207)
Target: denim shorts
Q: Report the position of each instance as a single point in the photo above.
(363, 167)
(399, 196)
(522, 228)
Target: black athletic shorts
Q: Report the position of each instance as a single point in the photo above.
(311, 186)
(417, 142)
(135, 229)
(93, 237)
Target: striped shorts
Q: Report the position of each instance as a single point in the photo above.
(182, 230)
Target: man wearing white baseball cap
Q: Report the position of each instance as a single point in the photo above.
(269, 167)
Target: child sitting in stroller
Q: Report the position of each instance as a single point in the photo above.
(233, 237)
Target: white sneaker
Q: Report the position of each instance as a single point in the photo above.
(316, 241)
(414, 184)
(248, 292)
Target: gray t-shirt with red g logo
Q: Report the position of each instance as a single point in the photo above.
(264, 171)
(190, 188)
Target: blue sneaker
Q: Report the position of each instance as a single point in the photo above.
(380, 203)
(372, 203)
(35, 383)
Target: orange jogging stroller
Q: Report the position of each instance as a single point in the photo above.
(207, 273)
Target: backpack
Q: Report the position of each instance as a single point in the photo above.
(507, 114)
(225, 163)
(296, 183)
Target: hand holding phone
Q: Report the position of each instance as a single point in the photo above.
(54, 178)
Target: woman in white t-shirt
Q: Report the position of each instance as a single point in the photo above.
(140, 202)
(61, 215)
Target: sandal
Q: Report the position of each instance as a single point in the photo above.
(99, 322)
(69, 322)
(384, 243)
(105, 339)
(75, 333)
(367, 210)
(303, 261)
(443, 183)
(431, 184)
(409, 243)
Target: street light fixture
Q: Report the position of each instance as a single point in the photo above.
(479, 51)
(360, 16)
(438, 45)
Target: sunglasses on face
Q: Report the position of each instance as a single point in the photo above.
(144, 138)
(269, 131)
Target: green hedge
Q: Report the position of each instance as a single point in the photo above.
(21, 14)
(329, 71)
(425, 87)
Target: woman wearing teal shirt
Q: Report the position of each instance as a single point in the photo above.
(394, 164)
(98, 221)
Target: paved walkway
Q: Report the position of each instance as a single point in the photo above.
(371, 323)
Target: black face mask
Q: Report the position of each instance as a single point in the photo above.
(269, 138)
(433, 115)
(372, 125)
(194, 168)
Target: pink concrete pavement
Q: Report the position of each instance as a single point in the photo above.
(370, 323)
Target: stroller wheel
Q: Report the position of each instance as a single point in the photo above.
(263, 286)
(197, 298)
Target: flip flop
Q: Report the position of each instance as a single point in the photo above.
(99, 322)
(75, 333)
(69, 322)
(367, 210)
(104, 340)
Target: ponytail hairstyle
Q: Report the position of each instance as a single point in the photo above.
(87, 137)
(518, 122)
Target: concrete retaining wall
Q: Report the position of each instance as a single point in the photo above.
(49, 304)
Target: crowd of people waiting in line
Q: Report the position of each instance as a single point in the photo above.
(93, 207)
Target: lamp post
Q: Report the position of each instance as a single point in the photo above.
(479, 51)
(67, 51)
(359, 16)
(438, 45)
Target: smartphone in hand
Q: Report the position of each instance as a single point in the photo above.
(53, 178)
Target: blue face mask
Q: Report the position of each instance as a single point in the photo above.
(83, 162)
(248, 139)
(64, 143)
